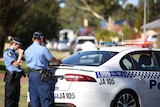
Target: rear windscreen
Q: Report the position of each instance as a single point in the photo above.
(89, 58)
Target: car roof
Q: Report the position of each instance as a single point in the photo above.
(85, 37)
(124, 48)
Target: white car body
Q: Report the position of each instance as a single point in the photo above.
(92, 86)
(62, 45)
(154, 39)
(81, 40)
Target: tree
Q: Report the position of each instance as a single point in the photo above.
(42, 15)
(153, 9)
(94, 10)
(10, 12)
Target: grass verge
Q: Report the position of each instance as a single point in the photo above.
(23, 94)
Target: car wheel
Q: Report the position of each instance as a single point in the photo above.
(126, 98)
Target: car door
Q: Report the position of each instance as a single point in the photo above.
(147, 77)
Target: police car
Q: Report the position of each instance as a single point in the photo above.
(115, 76)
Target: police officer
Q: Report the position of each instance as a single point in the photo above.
(37, 58)
(12, 60)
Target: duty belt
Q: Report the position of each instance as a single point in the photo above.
(34, 70)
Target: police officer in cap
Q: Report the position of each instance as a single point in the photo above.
(38, 58)
(13, 60)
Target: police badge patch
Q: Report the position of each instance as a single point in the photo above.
(9, 54)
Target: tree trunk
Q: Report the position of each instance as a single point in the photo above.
(2, 41)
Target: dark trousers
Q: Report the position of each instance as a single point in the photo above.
(40, 92)
(12, 92)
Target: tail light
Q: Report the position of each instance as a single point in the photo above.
(79, 78)
(70, 105)
(64, 105)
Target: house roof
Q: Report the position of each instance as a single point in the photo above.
(152, 25)
(119, 21)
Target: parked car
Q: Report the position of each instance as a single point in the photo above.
(62, 45)
(76, 45)
(112, 76)
(154, 39)
(49, 44)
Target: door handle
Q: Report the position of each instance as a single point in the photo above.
(138, 78)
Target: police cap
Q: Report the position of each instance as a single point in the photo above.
(16, 40)
(38, 35)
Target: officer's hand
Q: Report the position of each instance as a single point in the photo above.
(60, 62)
(21, 62)
(20, 51)
(57, 62)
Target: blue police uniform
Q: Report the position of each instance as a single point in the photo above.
(12, 78)
(9, 56)
(37, 58)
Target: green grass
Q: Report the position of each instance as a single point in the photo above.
(2, 67)
(2, 93)
(23, 94)
(24, 85)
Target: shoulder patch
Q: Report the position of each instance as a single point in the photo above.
(9, 54)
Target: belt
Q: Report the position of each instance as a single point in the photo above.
(12, 72)
(36, 70)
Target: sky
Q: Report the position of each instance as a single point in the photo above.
(134, 2)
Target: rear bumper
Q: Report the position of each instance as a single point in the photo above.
(59, 105)
(64, 105)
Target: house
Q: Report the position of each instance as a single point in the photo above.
(153, 32)
(152, 27)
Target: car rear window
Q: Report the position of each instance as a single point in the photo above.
(89, 58)
(84, 40)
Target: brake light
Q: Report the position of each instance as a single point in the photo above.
(70, 105)
(79, 78)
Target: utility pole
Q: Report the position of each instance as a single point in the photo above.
(144, 21)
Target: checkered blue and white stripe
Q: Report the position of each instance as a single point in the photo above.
(128, 74)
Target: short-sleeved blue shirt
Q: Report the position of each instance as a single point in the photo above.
(9, 56)
(37, 56)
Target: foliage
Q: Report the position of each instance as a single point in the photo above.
(153, 9)
(107, 7)
(23, 17)
(70, 16)
(10, 12)
(130, 33)
(127, 13)
(75, 11)
(105, 35)
(41, 15)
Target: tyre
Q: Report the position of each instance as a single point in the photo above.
(126, 98)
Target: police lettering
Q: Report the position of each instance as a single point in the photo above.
(154, 83)
(104, 81)
(102, 74)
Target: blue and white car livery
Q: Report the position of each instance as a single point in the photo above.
(110, 77)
